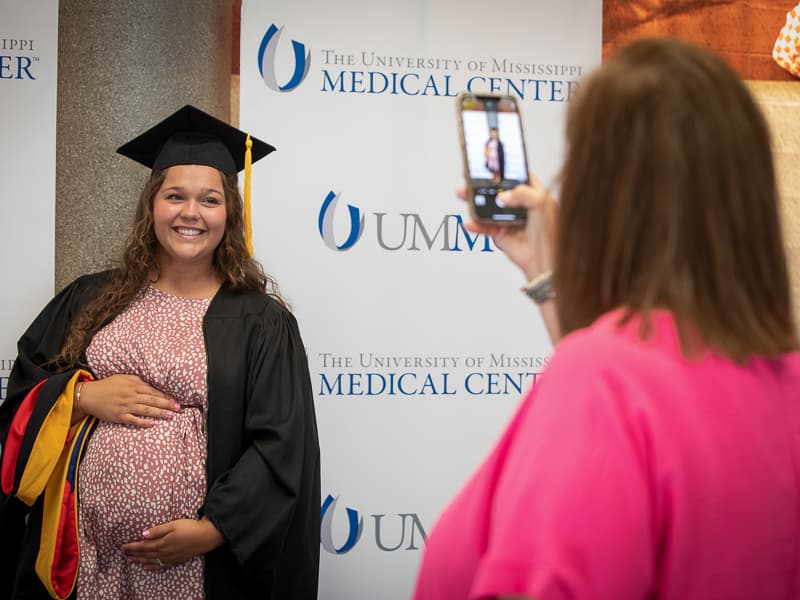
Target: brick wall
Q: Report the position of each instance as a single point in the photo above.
(743, 32)
(780, 103)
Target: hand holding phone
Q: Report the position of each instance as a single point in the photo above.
(493, 151)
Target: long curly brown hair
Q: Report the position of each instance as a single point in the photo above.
(139, 265)
(669, 200)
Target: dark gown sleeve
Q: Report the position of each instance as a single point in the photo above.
(267, 505)
(40, 342)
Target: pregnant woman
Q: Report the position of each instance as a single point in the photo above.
(173, 394)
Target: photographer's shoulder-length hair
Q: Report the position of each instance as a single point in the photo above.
(232, 262)
(669, 200)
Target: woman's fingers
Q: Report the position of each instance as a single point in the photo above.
(126, 399)
(161, 402)
(154, 412)
(528, 196)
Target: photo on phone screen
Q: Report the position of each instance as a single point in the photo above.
(494, 153)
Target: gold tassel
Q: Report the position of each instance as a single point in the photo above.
(248, 166)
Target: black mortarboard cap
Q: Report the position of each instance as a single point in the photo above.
(193, 137)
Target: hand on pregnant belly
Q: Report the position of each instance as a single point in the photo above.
(125, 399)
(172, 543)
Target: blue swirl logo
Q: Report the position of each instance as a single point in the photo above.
(266, 60)
(355, 523)
(325, 223)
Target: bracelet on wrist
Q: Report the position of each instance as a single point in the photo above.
(78, 389)
(540, 288)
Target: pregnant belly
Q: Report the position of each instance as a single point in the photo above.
(133, 478)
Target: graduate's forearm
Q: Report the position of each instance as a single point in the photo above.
(173, 543)
(77, 414)
(212, 536)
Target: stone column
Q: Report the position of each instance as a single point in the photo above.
(122, 66)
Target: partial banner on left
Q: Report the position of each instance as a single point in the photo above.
(28, 77)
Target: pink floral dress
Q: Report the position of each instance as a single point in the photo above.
(132, 478)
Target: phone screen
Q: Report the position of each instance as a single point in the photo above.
(494, 153)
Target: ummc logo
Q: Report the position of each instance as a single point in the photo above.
(267, 61)
(403, 231)
(410, 530)
(355, 524)
(326, 223)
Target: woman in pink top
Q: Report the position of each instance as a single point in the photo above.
(659, 455)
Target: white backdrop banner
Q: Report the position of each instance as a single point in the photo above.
(420, 343)
(28, 63)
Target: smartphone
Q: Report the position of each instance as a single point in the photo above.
(493, 150)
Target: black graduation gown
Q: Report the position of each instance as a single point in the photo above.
(262, 468)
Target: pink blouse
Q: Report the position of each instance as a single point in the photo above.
(630, 472)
